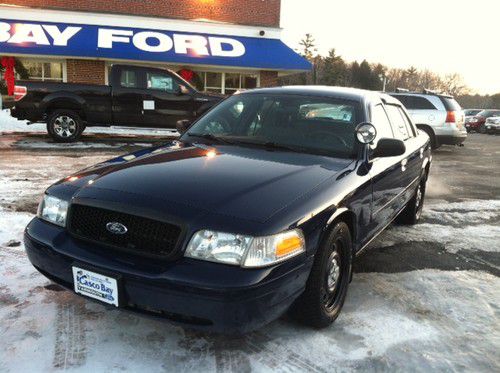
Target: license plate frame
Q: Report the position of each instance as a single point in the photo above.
(97, 285)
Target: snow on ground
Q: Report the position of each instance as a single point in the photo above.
(470, 224)
(25, 144)
(8, 124)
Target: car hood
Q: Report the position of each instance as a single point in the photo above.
(249, 183)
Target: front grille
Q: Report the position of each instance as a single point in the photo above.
(144, 236)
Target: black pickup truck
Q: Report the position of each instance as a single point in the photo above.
(136, 96)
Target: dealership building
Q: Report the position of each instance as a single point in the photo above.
(218, 45)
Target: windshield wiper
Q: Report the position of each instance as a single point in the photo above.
(209, 136)
(272, 145)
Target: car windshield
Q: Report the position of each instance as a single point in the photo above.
(488, 113)
(469, 112)
(316, 125)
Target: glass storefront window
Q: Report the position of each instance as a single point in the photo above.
(227, 83)
(213, 82)
(40, 70)
(232, 83)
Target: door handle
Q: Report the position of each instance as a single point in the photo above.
(404, 162)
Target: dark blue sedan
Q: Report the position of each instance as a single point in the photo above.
(260, 207)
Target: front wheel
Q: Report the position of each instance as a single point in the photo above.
(326, 288)
(65, 126)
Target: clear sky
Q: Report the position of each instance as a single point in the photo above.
(444, 36)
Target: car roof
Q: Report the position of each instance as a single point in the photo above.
(354, 94)
(419, 94)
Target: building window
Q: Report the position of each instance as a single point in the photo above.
(213, 82)
(227, 83)
(40, 70)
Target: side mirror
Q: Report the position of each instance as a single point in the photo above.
(389, 148)
(182, 125)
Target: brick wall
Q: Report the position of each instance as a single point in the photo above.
(268, 78)
(85, 71)
(246, 12)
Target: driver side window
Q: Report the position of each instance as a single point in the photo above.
(381, 122)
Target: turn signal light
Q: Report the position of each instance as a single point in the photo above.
(288, 246)
(19, 92)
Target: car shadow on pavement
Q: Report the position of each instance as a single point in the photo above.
(412, 255)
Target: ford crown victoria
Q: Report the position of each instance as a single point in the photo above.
(259, 208)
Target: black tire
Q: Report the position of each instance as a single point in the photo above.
(430, 133)
(322, 301)
(65, 126)
(482, 129)
(413, 210)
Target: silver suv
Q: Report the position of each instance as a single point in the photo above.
(440, 116)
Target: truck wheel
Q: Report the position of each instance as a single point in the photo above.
(413, 210)
(326, 288)
(65, 126)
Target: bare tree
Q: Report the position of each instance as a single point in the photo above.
(454, 85)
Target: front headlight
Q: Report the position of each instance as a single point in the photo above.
(245, 251)
(53, 210)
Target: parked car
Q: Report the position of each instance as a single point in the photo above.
(477, 123)
(492, 124)
(136, 96)
(440, 116)
(470, 113)
(257, 208)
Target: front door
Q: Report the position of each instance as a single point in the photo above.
(164, 103)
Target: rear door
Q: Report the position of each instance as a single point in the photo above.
(164, 103)
(411, 163)
(128, 84)
(388, 175)
(421, 110)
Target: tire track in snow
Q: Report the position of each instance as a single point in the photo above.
(70, 344)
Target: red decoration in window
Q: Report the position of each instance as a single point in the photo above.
(187, 74)
(9, 63)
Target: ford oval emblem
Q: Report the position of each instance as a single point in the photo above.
(116, 228)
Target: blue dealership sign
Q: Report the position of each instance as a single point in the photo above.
(93, 41)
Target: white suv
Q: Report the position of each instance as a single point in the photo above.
(440, 116)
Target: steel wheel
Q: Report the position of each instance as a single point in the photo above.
(418, 202)
(332, 277)
(64, 126)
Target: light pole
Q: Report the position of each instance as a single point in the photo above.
(384, 81)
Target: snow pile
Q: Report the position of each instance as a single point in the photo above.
(27, 144)
(8, 124)
(467, 225)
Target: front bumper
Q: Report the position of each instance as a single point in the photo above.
(192, 293)
(492, 127)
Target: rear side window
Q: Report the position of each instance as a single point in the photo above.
(416, 102)
(381, 123)
(399, 125)
(128, 79)
(450, 104)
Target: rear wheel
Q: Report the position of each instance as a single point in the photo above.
(430, 133)
(482, 128)
(413, 210)
(326, 288)
(65, 126)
